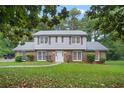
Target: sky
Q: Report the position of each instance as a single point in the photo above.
(82, 8)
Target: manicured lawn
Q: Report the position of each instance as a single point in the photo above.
(23, 63)
(65, 75)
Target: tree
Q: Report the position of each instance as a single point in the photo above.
(73, 14)
(71, 22)
(110, 20)
(87, 25)
(18, 22)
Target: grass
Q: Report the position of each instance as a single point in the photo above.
(23, 63)
(65, 75)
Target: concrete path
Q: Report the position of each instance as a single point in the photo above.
(19, 66)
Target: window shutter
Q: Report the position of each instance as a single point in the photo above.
(38, 40)
(69, 39)
(49, 40)
(81, 40)
(56, 39)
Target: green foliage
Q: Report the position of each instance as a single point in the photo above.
(90, 58)
(102, 60)
(49, 59)
(20, 21)
(5, 46)
(18, 59)
(71, 22)
(110, 19)
(116, 48)
(30, 57)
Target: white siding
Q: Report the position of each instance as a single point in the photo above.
(59, 44)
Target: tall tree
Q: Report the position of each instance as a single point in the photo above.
(110, 20)
(71, 22)
(17, 22)
(74, 22)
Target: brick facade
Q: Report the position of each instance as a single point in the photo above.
(51, 56)
(67, 56)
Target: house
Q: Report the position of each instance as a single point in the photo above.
(61, 46)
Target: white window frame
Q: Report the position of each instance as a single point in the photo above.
(77, 55)
(41, 55)
(44, 39)
(74, 39)
(97, 56)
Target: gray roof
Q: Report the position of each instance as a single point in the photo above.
(92, 46)
(60, 32)
(61, 47)
(28, 46)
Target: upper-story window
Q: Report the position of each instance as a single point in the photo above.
(75, 39)
(44, 39)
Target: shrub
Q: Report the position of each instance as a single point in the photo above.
(18, 59)
(90, 58)
(30, 57)
(49, 58)
(102, 60)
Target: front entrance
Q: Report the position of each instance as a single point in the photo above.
(59, 57)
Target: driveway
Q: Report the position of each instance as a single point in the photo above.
(19, 66)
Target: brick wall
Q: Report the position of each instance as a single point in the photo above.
(51, 56)
(67, 56)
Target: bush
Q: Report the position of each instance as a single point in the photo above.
(18, 59)
(102, 60)
(90, 58)
(49, 58)
(30, 57)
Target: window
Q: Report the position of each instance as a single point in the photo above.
(23, 55)
(75, 39)
(44, 39)
(78, 39)
(77, 55)
(97, 56)
(41, 40)
(42, 55)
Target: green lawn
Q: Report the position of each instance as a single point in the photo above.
(23, 63)
(110, 74)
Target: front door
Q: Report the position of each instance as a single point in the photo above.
(59, 56)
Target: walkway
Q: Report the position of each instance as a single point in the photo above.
(19, 66)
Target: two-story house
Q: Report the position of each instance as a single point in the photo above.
(61, 46)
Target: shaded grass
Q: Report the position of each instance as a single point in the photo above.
(65, 75)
